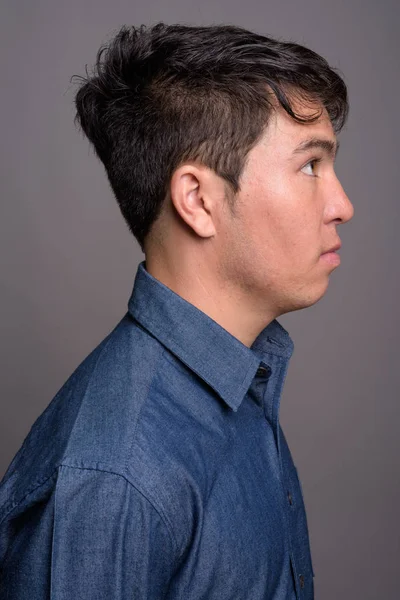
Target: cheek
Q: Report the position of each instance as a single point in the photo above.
(281, 238)
(279, 223)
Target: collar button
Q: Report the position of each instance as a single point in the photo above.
(263, 371)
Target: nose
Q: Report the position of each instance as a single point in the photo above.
(342, 207)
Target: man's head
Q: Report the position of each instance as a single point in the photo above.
(199, 131)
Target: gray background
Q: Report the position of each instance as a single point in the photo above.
(69, 261)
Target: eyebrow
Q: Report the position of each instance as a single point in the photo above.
(328, 146)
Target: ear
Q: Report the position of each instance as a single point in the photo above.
(195, 193)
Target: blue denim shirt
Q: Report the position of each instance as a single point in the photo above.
(159, 470)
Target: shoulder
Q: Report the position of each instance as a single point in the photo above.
(92, 417)
(130, 413)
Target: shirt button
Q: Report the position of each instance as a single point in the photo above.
(301, 577)
(262, 371)
(289, 495)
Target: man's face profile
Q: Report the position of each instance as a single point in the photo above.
(288, 208)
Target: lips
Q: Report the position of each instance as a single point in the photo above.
(337, 246)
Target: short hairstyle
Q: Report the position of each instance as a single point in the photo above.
(164, 94)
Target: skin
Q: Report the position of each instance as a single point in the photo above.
(246, 269)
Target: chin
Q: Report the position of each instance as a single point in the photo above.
(318, 294)
(303, 298)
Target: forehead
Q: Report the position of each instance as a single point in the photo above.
(284, 134)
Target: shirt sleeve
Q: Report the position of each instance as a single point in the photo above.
(109, 541)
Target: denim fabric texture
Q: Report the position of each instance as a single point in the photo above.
(160, 470)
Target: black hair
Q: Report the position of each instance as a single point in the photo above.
(164, 94)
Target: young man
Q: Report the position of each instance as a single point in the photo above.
(160, 470)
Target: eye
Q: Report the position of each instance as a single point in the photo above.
(310, 166)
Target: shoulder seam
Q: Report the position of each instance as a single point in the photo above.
(36, 487)
(136, 487)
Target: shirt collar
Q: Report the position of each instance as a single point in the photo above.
(215, 355)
